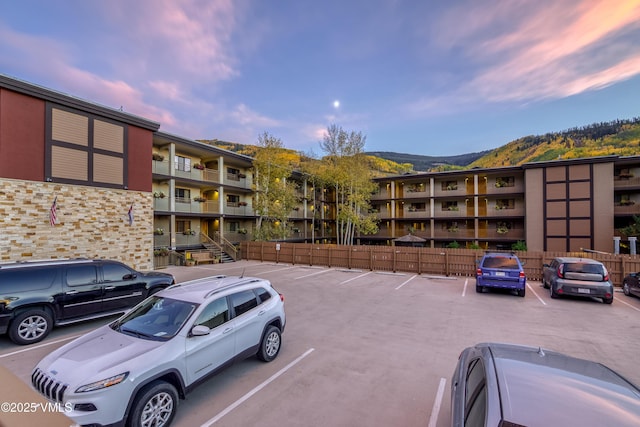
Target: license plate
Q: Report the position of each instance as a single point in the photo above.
(584, 291)
(500, 273)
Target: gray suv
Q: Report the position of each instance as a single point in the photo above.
(510, 385)
(36, 295)
(582, 277)
(134, 370)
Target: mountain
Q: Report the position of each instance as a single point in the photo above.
(618, 137)
(427, 163)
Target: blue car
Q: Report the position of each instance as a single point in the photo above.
(501, 271)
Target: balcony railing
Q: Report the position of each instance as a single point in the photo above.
(619, 182)
(626, 209)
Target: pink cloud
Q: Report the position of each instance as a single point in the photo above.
(541, 49)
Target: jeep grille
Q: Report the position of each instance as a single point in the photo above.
(47, 386)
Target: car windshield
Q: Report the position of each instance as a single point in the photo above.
(156, 318)
(501, 262)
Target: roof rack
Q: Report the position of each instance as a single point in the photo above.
(232, 285)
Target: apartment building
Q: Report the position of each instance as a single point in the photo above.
(121, 189)
(561, 205)
(202, 194)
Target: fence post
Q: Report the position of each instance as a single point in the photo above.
(351, 249)
(371, 258)
(419, 260)
(446, 263)
(329, 257)
(293, 254)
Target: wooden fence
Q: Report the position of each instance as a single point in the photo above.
(437, 261)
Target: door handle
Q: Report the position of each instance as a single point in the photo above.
(108, 288)
(71, 292)
(261, 312)
(226, 331)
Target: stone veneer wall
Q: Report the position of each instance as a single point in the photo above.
(92, 222)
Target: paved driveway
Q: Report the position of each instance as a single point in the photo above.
(378, 349)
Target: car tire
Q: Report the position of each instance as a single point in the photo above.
(270, 344)
(30, 326)
(625, 289)
(552, 291)
(479, 289)
(155, 405)
(545, 284)
(521, 292)
(607, 300)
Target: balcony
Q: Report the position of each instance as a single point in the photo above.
(242, 209)
(416, 213)
(512, 234)
(628, 208)
(383, 194)
(623, 182)
(516, 187)
(504, 212)
(454, 233)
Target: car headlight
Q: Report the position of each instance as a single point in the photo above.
(107, 382)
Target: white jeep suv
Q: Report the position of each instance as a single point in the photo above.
(133, 370)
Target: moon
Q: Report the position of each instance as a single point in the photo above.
(336, 104)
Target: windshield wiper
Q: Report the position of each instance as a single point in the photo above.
(136, 333)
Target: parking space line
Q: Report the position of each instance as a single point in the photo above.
(407, 281)
(279, 269)
(33, 347)
(433, 420)
(354, 278)
(312, 274)
(244, 398)
(464, 290)
(534, 292)
(627, 304)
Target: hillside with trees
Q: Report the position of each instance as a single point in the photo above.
(619, 137)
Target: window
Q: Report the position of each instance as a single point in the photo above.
(182, 225)
(505, 181)
(243, 302)
(114, 272)
(183, 195)
(21, 280)
(417, 207)
(215, 314)
(449, 185)
(234, 226)
(475, 395)
(233, 174)
(82, 275)
(233, 200)
(263, 294)
(505, 204)
(450, 206)
(183, 164)
(83, 149)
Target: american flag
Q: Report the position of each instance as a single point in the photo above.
(53, 212)
(130, 214)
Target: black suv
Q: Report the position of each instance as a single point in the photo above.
(36, 295)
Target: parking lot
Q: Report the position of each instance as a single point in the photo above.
(377, 349)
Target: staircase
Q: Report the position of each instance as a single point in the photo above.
(228, 255)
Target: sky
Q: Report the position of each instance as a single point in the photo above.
(437, 78)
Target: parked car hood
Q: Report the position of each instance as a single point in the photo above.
(94, 354)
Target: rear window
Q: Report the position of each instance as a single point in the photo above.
(501, 262)
(578, 267)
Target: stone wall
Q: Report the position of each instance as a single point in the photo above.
(92, 222)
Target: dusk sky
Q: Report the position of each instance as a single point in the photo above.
(424, 77)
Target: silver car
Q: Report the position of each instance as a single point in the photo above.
(134, 370)
(581, 277)
(509, 385)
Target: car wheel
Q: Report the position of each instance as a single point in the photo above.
(30, 326)
(479, 289)
(270, 345)
(155, 406)
(607, 300)
(521, 292)
(552, 291)
(625, 289)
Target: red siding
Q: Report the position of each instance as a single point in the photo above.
(140, 145)
(22, 134)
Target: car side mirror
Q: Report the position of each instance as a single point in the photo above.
(200, 330)
(545, 265)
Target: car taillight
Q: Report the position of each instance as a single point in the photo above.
(479, 272)
(281, 297)
(560, 271)
(606, 275)
(522, 274)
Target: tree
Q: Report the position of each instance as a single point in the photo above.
(346, 170)
(275, 194)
